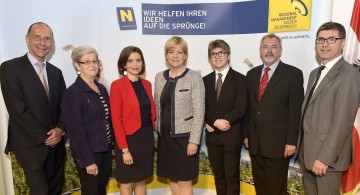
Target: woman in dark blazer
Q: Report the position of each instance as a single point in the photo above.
(133, 115)
(86, 115)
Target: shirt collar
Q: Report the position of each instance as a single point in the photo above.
(223, 72)
(330, 64)
(33, 60)
(272, 66)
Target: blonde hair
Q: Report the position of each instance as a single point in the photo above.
(174, 41)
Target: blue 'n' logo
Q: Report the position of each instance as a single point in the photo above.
(126, 18)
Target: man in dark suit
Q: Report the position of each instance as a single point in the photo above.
(225, 106)
(275, 94)
(32, 89)
(328, 113)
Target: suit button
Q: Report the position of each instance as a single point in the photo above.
(258, 112)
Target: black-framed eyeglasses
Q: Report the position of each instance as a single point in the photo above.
(89, 62)
(330, 40)
(218, 54)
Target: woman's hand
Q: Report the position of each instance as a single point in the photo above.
(127, 157)
(92, 169)
(192, 149)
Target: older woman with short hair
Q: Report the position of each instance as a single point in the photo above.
(180, 104)
(86, 115)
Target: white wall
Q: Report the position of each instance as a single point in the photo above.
(342, 10)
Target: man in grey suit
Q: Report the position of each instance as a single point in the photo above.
(328, 114)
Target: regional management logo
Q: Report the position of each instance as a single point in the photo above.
(126, 18)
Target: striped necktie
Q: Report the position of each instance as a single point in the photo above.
(218, 86)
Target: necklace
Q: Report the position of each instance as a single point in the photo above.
(172, 79)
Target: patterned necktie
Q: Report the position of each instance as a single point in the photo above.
(218, 86)
(263, 83)
(42, 77)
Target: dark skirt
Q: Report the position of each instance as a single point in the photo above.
(172, 159)
(141, 146)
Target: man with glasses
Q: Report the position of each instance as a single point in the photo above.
(328, 114)
(32, 89)
(225, 106)
(275, 93)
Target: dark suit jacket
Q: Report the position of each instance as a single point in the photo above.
(230, 106)
(330, 116)
(84, 119)
(31, 113)
(274, 121)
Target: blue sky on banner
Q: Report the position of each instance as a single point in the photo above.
(205, 18)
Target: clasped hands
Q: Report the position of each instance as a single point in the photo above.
(221, 124)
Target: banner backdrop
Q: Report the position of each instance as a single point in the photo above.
(109, 26)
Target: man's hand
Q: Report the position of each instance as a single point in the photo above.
(319, 168)
(209, 128)
(222, 124)
(55, 136)
(246, 143)
(289, 150)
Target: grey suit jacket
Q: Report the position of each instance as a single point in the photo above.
(328, 120)
(188, 104)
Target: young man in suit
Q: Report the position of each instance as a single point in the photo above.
(275, 94)
(328, 114)
(225, 106)
(32, 89)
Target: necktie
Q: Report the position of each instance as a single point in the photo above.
(42, 77)
(218, 86)
(263, 83)
(313, 87)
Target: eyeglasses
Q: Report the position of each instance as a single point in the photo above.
(88, 62)
(218, 54)
(330, 40)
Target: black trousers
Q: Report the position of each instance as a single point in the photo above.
(270, 174)
(46, 177)
(225, 162)
(96, 185)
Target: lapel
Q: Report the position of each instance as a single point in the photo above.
(51, 81)
(256, 82)
(226, 83)
(211, 87)
(309, 85)
(333, 72)
(34, 77)
(277, 75)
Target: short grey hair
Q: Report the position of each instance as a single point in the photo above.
(78, 53)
